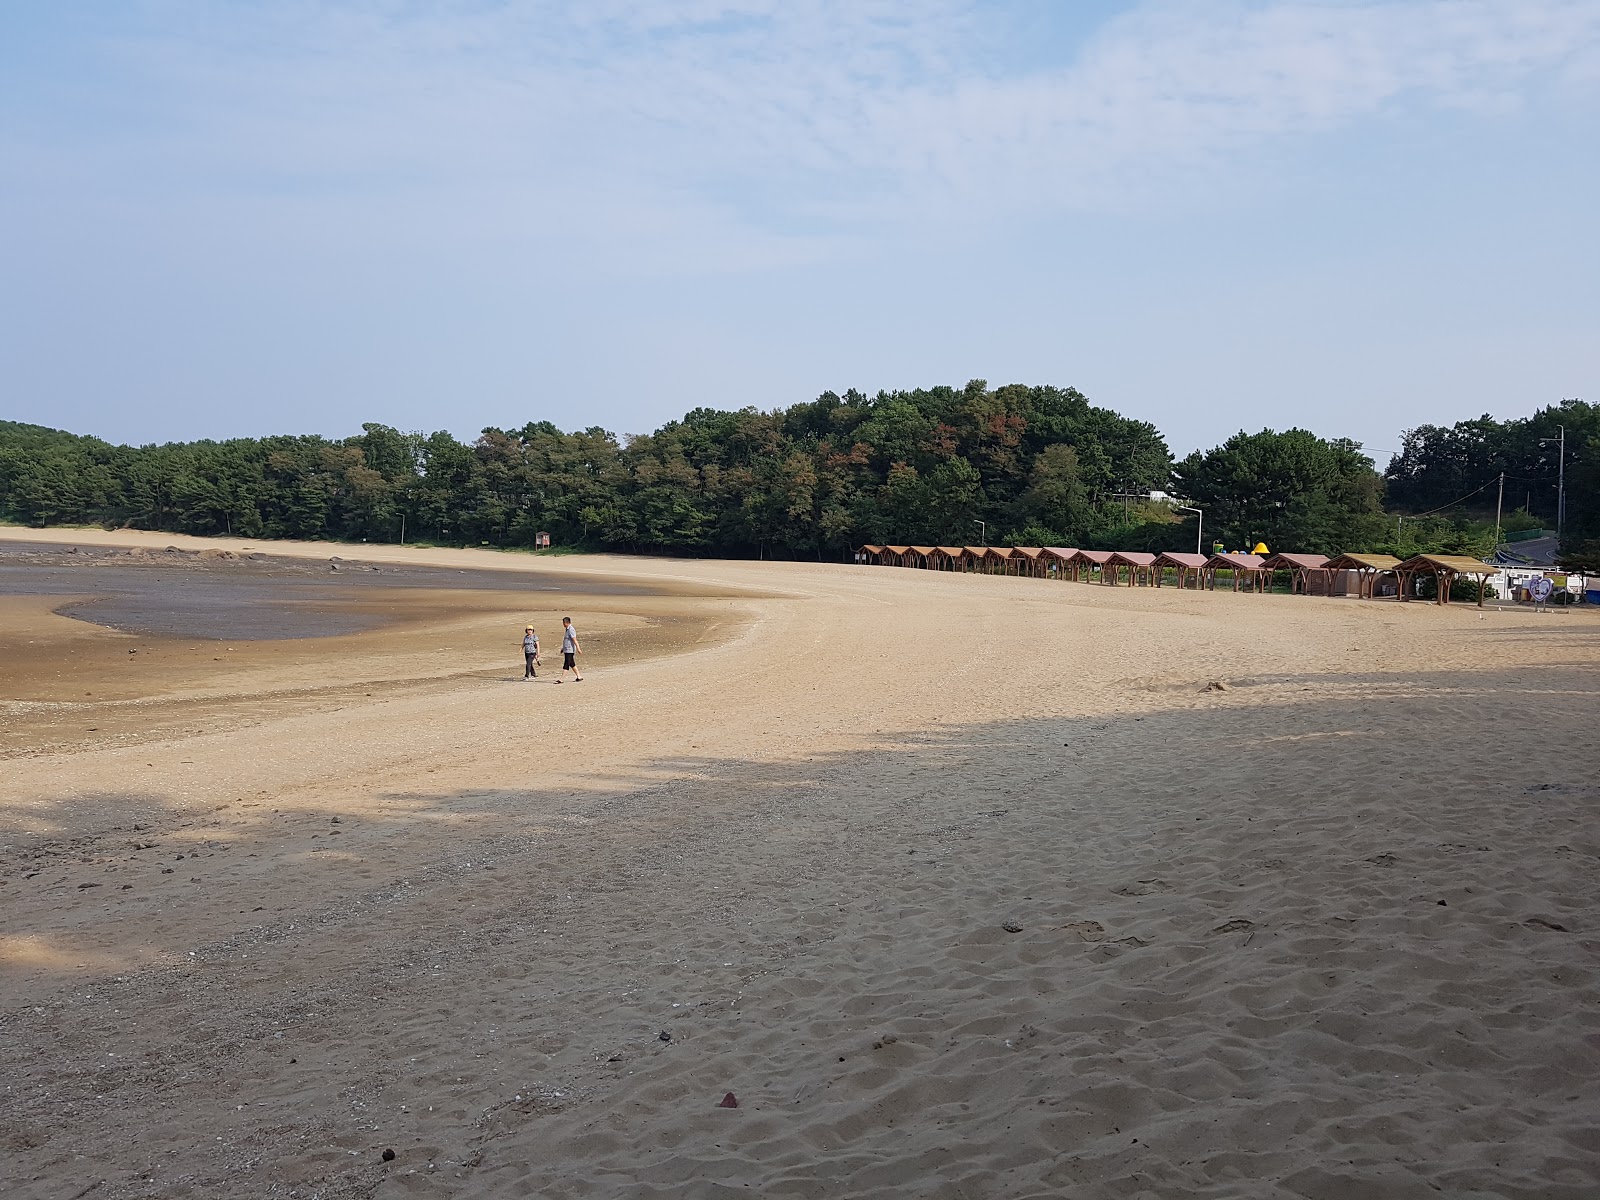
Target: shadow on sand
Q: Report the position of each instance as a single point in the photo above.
(1306, 938)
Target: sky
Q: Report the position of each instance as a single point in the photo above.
(247, 218)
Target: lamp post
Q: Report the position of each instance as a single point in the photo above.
(1200, 525)
(983, 531)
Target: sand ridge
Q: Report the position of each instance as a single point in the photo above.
(961, 885)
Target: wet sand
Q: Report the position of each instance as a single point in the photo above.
(101, 646)
(962, 886)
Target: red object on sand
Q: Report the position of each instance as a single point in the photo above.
(729, 1101)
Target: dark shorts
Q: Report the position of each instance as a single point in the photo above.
(569, 662)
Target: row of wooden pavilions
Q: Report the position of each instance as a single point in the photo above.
(1365, 575)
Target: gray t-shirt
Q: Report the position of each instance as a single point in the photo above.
(569, 640)
(530, 643)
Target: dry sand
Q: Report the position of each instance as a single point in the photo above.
(961, 885)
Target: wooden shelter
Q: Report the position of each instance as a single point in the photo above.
(948, 558)
(870, 554)
(1008, 559)
(1090, 561)
(1062, 560)
(896, 556)
(1248, 572)
(1186, 565)
(920, 556)
(1444, 568)
(1029, 560)
(977, 558)
(1141, 567)
(1363, 570)
(1308, 573)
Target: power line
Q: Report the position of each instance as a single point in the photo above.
(1453, 503)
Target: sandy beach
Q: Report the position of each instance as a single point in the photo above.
(961, 886)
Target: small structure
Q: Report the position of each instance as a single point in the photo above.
(1248, 572)
(1308, 573)
(1444, 568)
(1062, 560)
(1004, 559)
(1186, 565)
(1140, 565)
(920, 556)
(1363, 570)
(1029, 560)
(1090, 561)
(977, 558)
(870, 554)
(948, 558)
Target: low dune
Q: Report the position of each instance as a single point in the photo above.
(828, 881)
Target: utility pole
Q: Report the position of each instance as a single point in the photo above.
(1561, 479)
(1498, 504)
(1561, 487)
(983, 531)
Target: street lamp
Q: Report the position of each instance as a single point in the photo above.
(983, 531)
(1200, 525)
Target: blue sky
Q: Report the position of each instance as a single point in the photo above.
(252, 218)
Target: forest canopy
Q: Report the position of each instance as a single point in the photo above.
(1013, 465)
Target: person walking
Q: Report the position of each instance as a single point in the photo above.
(570, 649)
(530, 653)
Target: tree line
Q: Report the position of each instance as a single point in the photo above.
(1014, 465)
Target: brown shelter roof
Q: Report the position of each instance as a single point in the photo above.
(1027, 551)
(1458, 563)
(897, 549)
(1187, 561)
(1364, 562)
(872, 549)
(922, 550)
(1064, 553)
(1097, 557)
(1236, 562)
(1295, 562)
(951, 551)
(1132, 558)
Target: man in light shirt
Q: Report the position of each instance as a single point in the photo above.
(570, 649)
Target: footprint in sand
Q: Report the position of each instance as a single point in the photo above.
(1086, 931)
(1142, 887)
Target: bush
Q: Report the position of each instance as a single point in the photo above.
(1461, 588)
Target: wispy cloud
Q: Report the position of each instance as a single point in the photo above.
(780, 122)
(1178, 87)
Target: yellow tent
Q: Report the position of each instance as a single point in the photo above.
(1261, 548)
